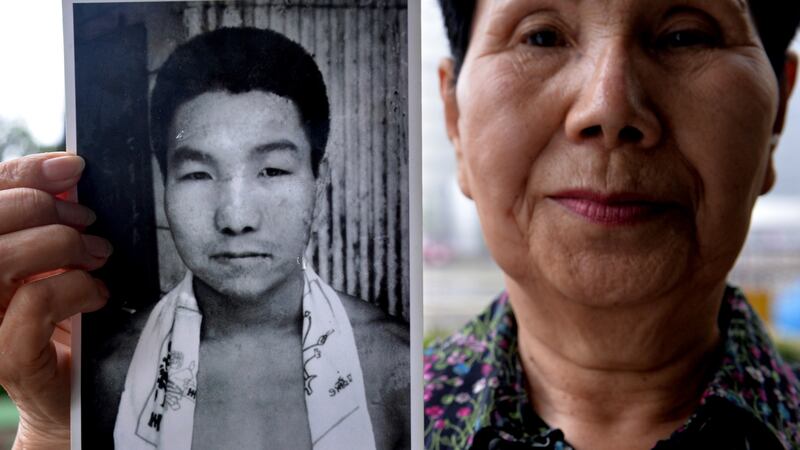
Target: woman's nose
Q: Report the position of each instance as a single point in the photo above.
(236, 212)
(611, 105)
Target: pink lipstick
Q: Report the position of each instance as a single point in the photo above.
(610, 209)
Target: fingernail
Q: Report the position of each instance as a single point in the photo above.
(97, 246)
(63, 167)
(75, 214)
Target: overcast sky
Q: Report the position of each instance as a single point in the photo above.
(32, 67)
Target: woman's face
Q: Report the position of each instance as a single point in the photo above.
(614, 149)
(239, 190)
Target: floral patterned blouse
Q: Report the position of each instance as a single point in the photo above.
(474, 395)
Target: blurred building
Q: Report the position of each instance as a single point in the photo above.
(770, 260)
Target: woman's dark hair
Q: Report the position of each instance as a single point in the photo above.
(239, 60)
(776, 20)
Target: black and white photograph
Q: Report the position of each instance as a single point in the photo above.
(249, 162)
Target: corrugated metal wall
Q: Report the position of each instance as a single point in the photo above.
(360, 239)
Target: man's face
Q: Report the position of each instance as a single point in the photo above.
(239, 190)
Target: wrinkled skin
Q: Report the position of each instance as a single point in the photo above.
(565, 117)
(45, 261)
(609, 96)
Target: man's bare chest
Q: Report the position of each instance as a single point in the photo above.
(250, 395)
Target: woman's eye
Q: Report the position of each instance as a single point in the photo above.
(272, 172)
(195, 176)
(545, 38)
(688, 38)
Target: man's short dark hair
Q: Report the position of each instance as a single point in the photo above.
(240, 60)
(776, 20)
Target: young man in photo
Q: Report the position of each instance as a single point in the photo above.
(252, 348)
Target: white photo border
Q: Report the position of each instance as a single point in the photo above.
(415, 212)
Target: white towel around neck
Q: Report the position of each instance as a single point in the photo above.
(158, 403)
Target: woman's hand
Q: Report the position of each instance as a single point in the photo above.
(45, 261)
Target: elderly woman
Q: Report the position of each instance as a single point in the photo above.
(614, 151)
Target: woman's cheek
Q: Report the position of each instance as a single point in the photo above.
(502, 159)
(502, 140)
(722, 128)
(739, 116)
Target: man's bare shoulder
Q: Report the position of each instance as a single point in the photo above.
(382, 342)
(383, 350)
(374, 324)
(110, 357)
(113, 356)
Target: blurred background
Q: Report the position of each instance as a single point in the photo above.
(460, 278)
(31, 103)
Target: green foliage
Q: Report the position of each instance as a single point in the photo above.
(16, 140)
(789, 350)
(432, 336)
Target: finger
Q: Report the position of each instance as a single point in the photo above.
(29, 252)
(50, 172)
(22, 208)
(33, 313)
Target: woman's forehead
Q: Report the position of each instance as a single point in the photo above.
(624, 6)
(741, 4)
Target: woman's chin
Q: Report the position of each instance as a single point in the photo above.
(601, 266)
(609, 290)
(615, 278)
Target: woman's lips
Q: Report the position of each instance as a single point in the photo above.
(610, 209)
